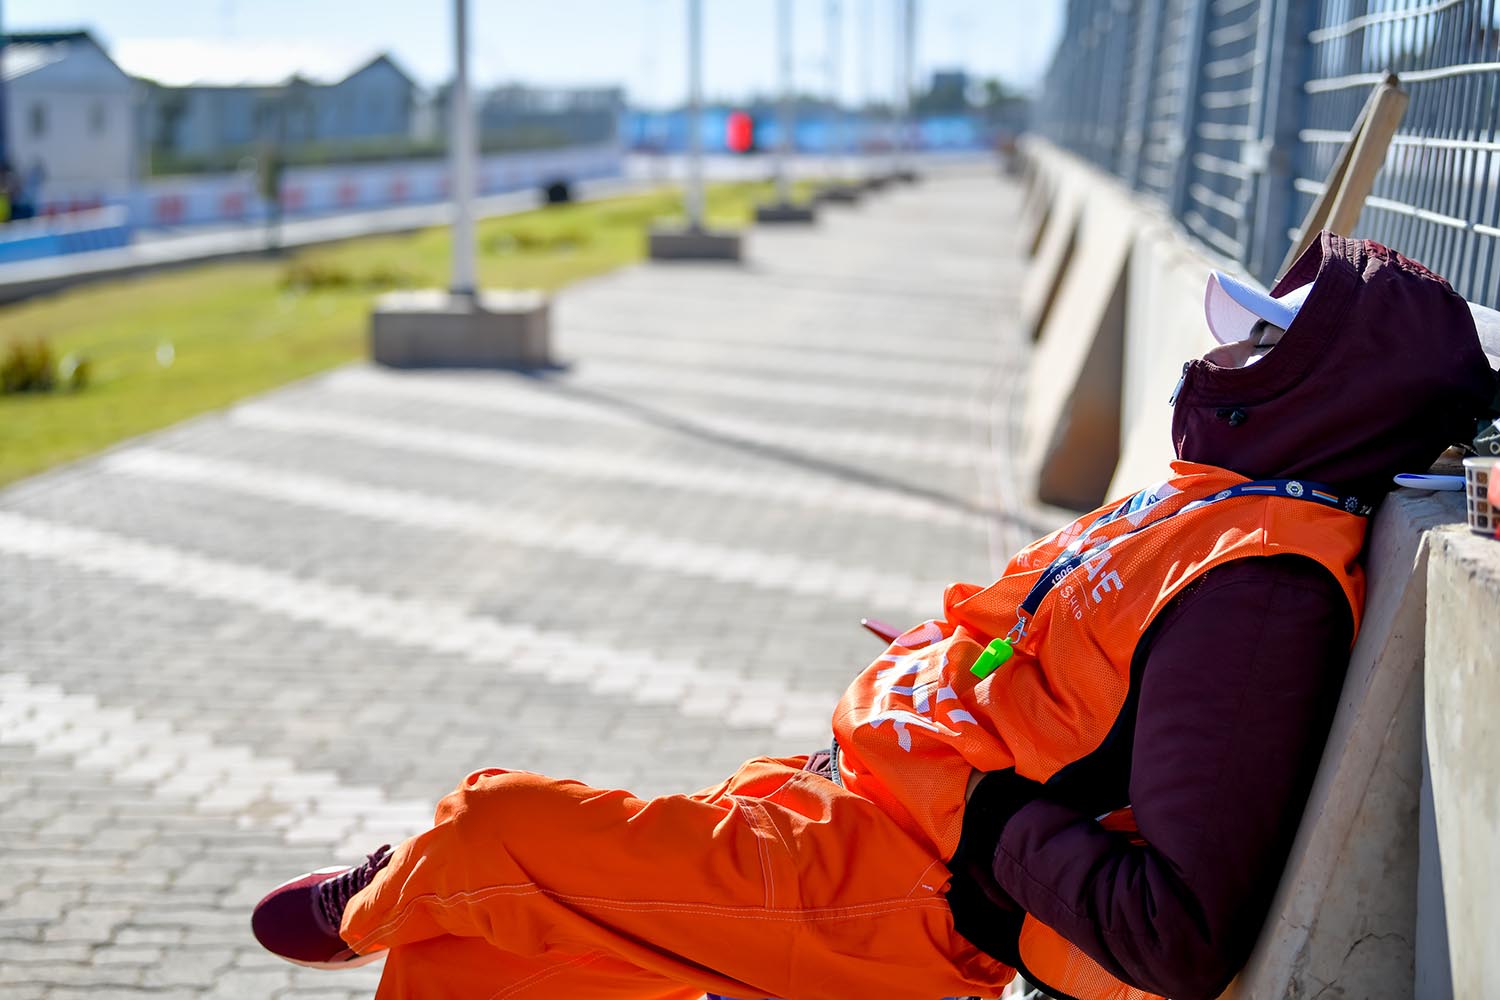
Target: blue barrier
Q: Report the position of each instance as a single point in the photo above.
(104, 229)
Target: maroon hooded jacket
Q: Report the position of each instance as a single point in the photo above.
(1235, 683)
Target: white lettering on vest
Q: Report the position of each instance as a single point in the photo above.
(1111, 582)
(892, 691)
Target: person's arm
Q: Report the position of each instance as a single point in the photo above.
(1237, 694)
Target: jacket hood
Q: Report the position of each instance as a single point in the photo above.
(1379, 372)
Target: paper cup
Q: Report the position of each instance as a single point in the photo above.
(1481, 479)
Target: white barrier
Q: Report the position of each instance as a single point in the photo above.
(228, 198)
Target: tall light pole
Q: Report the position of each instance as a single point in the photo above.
(898, 135)
(835, 74)
(866, 92)
(696, 241)
(908, 64)
(695, 115)
(902, 53)
(464, 325)
(461, 157)
(786, 123)
(4, 145)
(782, 209)
(840, 166)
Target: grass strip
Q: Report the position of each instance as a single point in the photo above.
(166, 346)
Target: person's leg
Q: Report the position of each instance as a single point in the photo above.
(452, 968)
(777, 878)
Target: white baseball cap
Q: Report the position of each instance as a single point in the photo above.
(1233, 307)
(1487, 326)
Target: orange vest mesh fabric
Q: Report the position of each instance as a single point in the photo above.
(916, 723)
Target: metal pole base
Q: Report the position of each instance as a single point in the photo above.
(840, 193)
(689, 243)
(776, 213)
(433, 328)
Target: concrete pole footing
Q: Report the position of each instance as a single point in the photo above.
(689, 243)
(437, 328)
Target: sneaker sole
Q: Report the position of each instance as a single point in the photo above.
(351, 963)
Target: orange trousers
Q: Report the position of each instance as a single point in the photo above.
(776, 883)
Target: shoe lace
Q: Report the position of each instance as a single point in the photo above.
(334, 894)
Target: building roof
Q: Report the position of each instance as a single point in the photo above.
(28, 51)
(383, 59)
(204, 62)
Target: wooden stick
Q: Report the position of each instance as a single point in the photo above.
(1319, 214)
(1369, 156)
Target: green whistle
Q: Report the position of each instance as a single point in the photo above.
(994, 655)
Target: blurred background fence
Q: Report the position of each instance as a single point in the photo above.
(1232, 112)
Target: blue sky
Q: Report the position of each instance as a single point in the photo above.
(635, 42)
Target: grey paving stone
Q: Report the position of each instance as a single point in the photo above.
(172, 745)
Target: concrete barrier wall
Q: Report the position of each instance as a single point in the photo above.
(1346, 921)
(1345, 912)
(1163, 327)
(1463, 745)
(1070, 435)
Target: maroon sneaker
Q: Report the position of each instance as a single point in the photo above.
(299, 920)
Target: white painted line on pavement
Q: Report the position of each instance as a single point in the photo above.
(798, 358)
(590, 539)
(911, 401)
(790, 487)
(306, 806)
(512, 396)
(433, 626)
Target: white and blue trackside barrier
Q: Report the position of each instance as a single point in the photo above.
(78, 232)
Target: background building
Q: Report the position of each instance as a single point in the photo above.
(213, 124)
(71, 115)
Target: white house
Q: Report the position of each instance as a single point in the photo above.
(71, 115)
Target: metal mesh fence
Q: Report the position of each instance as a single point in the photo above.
(1232, 112)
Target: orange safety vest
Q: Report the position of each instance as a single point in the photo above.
(917, 722)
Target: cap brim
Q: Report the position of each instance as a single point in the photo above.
(1487, 327)
(1233, 307)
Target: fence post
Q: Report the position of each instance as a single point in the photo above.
(1283, 113)
(1142, 86)
(1114, 66)
(1187, 133)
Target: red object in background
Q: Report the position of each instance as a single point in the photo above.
(348, 193)
(739, 132)
(169, 209)
(232, 205)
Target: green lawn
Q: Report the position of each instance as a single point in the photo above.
(166, 346)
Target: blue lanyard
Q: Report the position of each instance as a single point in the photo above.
(1075, 555)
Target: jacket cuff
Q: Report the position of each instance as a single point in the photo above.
(997, 797)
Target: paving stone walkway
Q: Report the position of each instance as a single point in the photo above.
(270, 638)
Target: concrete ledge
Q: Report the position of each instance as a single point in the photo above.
(684, 243)
(1071, 423)
(1036, 210)
(434, 328)
(1462, 711)
(785, 212)
(1164, 326)
(1345, 911)
(1054, 241)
